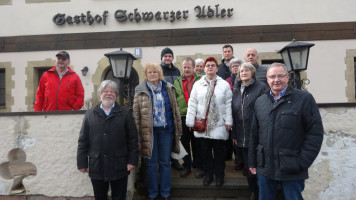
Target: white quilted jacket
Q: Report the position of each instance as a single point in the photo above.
(196, 107)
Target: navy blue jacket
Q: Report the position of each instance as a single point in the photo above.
(286, 136)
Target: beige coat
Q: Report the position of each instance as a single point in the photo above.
(142, 112)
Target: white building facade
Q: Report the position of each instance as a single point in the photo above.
(33, 31)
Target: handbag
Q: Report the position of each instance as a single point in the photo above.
(200, 124)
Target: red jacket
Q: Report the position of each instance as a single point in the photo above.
(55, 94)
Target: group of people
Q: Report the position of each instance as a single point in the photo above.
(274, 130)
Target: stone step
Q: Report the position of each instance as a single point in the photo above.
(192, 188)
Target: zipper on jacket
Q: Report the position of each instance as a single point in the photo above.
(243, 121)
(59, 85)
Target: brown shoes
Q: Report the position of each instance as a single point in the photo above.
(166, 198)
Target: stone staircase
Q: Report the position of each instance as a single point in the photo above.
(235, 186)
(191, 188)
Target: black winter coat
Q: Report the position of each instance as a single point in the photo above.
(107, 143)
(285, 136)
(223, 70)
(170, 73)
(242, 110)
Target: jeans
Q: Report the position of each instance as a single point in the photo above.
(118, 189)
(292, 190)
(161, 155)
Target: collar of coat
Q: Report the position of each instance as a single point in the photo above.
(204, 83)
(117, 108)
(287, 95)
(53, 69)
(166, 67)
(143, 87)
(239, 83)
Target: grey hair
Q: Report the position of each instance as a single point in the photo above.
(235, 60)
(189, 59)
(276, 64)
(249, 66)
(105, 84)
(199, 60)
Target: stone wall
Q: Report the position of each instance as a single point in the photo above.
(333, 173)
(49, 141)
(50, 144)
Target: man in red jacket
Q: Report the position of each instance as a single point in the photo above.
(60, 87)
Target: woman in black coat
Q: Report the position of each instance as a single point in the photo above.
(248, 89)
(108, 144)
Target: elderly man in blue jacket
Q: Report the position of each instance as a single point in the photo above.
(286, 136)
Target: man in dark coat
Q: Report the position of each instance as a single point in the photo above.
(224, 70)
(108, 144)
(286, 136)
(170, 73)
(225, 73)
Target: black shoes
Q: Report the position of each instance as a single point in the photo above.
(185, 172)
(207, 180)
(175, 164)
(199, 173)
(219, 182)
(253, 196)
(239, 166)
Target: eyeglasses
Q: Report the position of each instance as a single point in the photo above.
(212, 65)
(232, 66)
(108, 91)
(280, 76)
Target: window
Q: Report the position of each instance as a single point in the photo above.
(267, 63)
(2, 89)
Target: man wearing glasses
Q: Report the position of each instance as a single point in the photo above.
(60, 88)
(286, 136)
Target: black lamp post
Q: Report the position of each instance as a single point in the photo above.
(295, 56)
(121, 64)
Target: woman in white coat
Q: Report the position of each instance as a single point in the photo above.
(219, 120)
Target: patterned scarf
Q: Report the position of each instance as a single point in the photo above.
(159, 117)
(213, 114)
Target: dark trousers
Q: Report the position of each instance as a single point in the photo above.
(238, 155)
(229, 148)
(188, 140)
(118, 189)
(197, 153)
(251, 178)
(213, 152)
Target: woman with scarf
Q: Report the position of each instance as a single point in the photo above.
(210, 99)
(234, 67)
(159, 126)
(248, 89)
